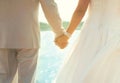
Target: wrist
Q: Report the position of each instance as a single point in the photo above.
(63, 32)
(68, 34)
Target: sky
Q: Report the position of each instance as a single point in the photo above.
(65, 7)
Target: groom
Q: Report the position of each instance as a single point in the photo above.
(19, 37)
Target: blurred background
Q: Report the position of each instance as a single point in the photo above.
(50, 56)
(63, 6)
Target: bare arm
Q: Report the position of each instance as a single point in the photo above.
(51, 12)
(78, 15)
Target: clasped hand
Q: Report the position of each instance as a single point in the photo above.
(62, 41)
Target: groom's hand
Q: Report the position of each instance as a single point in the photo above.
(62, 41)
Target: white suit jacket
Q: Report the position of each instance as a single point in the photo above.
(19, 27)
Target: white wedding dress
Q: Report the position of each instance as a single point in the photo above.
(95, 57)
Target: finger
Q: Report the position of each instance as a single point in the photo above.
(62, 45)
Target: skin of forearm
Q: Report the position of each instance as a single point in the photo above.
(78, 15)
(76, 19)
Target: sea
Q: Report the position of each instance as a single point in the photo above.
(51, 57)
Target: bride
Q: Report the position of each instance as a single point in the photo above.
(95, 56)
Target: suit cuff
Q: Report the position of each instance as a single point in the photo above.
(61, 33)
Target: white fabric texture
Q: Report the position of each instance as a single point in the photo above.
(23, 60)
(95, 57)
(19, 26)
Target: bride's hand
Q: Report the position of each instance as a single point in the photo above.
(62, 41)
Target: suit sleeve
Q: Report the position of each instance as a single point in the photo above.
(52, 15)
